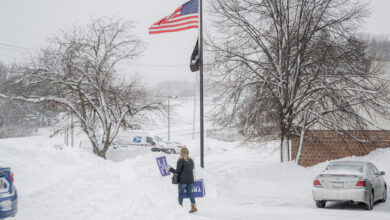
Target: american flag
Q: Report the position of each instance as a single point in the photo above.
(184, 18)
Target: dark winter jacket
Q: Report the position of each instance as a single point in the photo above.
(185, 171)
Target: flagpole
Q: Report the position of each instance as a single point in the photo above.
(201, 83)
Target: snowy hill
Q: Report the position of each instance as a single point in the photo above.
(242, 182)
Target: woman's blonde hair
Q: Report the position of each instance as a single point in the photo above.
(184, 154)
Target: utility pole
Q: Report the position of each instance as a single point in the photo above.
(66, 130)
(72, 130)
(169, 115)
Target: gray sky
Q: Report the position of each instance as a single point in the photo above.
(26, 24)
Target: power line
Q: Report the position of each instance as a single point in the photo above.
(15, 46)
(8, 41)
(20, 48)
(13, 49)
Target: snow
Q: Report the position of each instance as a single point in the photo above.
(243, 181)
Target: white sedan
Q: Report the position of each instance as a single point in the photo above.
(353, 181)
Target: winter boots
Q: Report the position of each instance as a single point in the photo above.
(193, 208)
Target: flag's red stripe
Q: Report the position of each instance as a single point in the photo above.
(175, 16)
(181, 19)
(173, 30)
(167, 19)
(174, 25)
(174, 22)
(177, 11)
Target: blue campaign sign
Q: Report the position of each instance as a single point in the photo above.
(198, 189)
(162, 164)
(137, 139)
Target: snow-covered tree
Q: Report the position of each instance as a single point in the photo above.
(19, 118)
(82, 69)
(283, 58)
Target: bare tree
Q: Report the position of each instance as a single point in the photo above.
(354, 98)
(82, 68)
(291, 57)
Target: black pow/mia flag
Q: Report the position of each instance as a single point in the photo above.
(195, 59)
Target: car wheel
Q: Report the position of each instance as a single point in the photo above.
(385, 195)
(370, 203)
(320, 204)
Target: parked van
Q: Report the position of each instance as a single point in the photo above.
(134, 143)
(130, 145)
(137, 139)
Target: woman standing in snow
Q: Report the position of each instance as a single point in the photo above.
(184, 169)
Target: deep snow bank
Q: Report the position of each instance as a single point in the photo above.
(73, 184)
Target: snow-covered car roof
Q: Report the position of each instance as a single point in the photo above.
(348, 162)
(345, 167)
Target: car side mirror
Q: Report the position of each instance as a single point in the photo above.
(382, 173)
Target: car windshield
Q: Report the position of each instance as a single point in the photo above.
(358, 168)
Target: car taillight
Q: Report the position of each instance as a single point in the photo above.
(180, 146)
(361, 183)
(12, 177)
(317, 183)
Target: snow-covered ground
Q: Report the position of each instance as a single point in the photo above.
(242, 182)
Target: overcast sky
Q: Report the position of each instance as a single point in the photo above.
(26, 24)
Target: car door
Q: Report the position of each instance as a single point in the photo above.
(379, 181)
(374, 181)
(370, 176)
